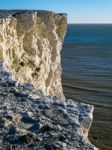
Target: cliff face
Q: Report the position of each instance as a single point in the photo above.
(30, 43)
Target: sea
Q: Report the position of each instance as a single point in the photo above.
(87, 75)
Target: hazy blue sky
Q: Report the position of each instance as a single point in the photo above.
(79, 11)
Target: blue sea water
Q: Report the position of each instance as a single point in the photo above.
(87, 61)
(87, 74)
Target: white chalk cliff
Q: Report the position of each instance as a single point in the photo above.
(30, 42)
(34, 113)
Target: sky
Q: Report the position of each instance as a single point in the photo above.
(79, 11)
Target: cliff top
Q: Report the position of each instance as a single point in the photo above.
(7, 13)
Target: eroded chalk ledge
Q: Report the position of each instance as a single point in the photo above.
(30, 120)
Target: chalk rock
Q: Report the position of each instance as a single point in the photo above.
(30, 120)
(30, 43)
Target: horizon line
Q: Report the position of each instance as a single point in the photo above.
(90, 23)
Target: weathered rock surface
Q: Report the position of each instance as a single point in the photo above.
(30, 43)
(31, 121)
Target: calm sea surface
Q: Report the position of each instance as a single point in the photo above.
(87, 75)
